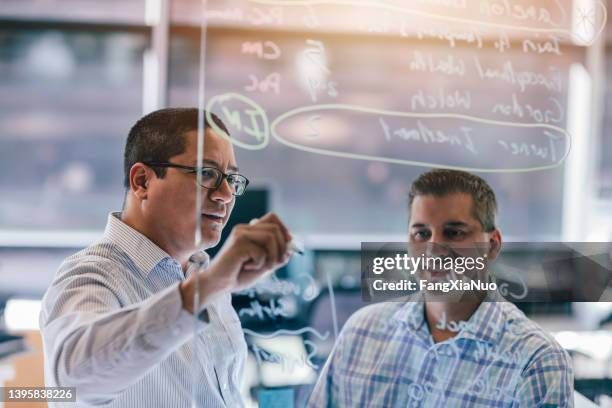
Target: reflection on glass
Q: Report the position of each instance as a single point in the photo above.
(62, 126)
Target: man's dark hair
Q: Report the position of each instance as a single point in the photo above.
(441, 182)
(160, 135)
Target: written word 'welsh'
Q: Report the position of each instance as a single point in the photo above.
(447, 65)
(441, 100)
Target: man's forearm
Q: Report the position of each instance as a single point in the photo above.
(103, 354)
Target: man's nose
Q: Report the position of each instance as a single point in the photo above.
(223, 194)
(437, 245)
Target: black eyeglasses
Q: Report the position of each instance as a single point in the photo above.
(212, 177)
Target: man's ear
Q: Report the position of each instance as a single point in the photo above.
(139, 180)
(495, 244)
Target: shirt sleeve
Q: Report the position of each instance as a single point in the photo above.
(548, 381)
(94, 344)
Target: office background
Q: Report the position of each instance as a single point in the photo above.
(76, 74)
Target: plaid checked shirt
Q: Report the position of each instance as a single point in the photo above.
(385, 357)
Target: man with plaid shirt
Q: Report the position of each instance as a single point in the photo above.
(409, 354)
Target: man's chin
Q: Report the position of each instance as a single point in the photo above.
(210, 238)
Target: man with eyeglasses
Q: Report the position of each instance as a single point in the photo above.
(119, 319)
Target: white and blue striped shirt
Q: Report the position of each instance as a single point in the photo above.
(114, 327)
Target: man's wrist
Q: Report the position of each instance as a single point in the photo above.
(187, 291)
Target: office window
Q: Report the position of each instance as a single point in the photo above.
(62, 124)
(115, 11)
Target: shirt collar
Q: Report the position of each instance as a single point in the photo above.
(486, 323)
(141, 250)
(412, 314)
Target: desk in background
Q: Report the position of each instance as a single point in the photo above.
(24, 370)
